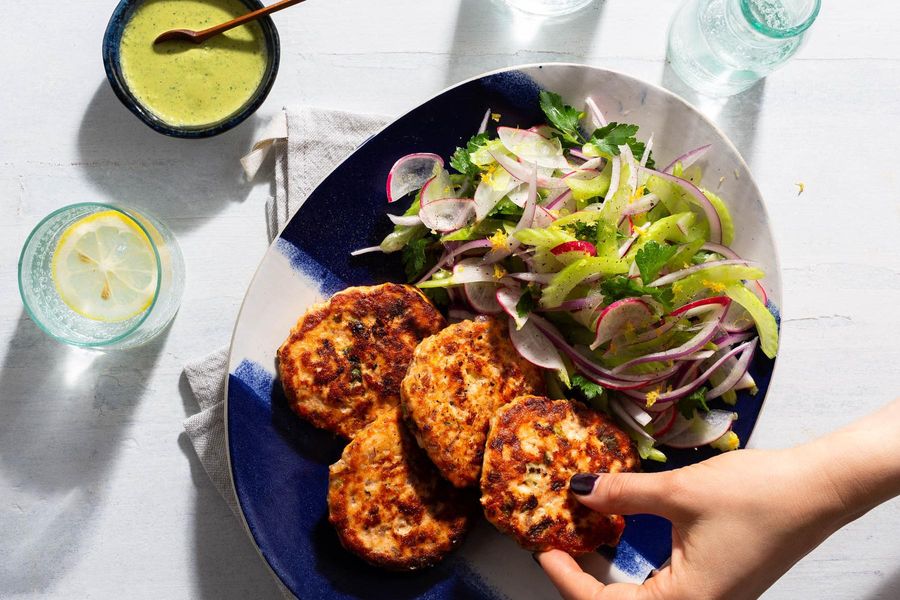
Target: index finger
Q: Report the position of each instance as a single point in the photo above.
(574, 584)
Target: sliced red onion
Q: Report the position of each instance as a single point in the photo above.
(366, 250)
(449, 256)
(703, 430)
(586, 303)
(531, 147)
(593, 371)
(619, 315)
(410, 173)
(482, 297)
(640, 416)
(732, 338)
(682, 273)
(543, 217)
(720, 249)
(579, 154)
(737, 371)
(626, 245)
(688, 388)
(646, 155)
(700, 339)
(641, 205)
(447, 214)
(484, 122)
(534, 346)
(594, 111)
(664, 421)
(406, 221)
(643, 337)
(688, 158)
(559, 200)
(541, 278)
(522, 172)
(628, 420)
(615, 174)
(712, 217)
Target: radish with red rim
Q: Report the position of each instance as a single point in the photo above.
(618, 316)
(410, 173)
(704, 429)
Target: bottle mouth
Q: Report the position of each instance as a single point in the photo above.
(780, 18)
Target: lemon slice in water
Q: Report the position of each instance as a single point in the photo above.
(104, 267)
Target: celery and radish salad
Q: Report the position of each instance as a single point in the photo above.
(616, 275)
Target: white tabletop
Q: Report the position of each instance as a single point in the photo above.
(101, 495)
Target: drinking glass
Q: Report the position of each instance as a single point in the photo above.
(549, 8)
(722, 47)
(48, 310)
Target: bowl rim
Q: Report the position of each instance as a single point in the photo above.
(112, 65)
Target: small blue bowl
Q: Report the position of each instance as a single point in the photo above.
(112, 40)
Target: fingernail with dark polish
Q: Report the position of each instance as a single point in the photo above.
(582, 484)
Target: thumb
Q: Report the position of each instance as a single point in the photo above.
(627, 493)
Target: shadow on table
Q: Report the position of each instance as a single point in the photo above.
(227, 565)
(184, 182)
(736, 115)
(488, 31)
(64, 414)
(889, 588)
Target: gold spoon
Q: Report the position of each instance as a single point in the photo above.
(197, 37)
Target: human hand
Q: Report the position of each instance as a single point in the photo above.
(740, 520)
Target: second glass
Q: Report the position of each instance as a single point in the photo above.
(722, 47)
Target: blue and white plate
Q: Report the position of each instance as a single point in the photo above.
(280, 463)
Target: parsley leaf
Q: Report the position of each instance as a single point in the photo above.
(637, 148)
(462, 160)
(508, 209)
(526, 302)
(587, 388)
(688, 405)
(414, 257)
(608, 139)
(438, 296)
(651, 258)
(585, 231)
(621, 286)
(562, 116)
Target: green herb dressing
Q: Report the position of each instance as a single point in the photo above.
(186, 84)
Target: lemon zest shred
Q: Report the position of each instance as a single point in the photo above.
(499, 240)
(714, 285)
(651, 397)
(499, 272)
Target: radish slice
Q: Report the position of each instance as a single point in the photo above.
(437, 187)
(688, 158)
(407, 221)
(534, 148)
(508, 299)
(482, 297)
(541, 278)
(626, 246)
(664, 421)
(575, 246)
(534, 346)
(682, 273)
(696, 304)
(703, 429)
(447, 214)
(468, 270)
(712, 217)
(620, 314)
(411, 172)
(522, 171)
(449, 256)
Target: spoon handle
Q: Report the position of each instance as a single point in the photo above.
(252, 16)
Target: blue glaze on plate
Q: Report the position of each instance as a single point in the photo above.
(112, 40)
(280, 463)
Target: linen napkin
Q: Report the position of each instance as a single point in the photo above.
(306, 144)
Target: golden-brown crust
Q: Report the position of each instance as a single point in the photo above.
(344, 359)
(388, 503)
(534, 446)
(456, 381)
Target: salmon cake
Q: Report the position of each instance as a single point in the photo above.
(457, 380)
(345, 358)
(388, 503)
(534, 447)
